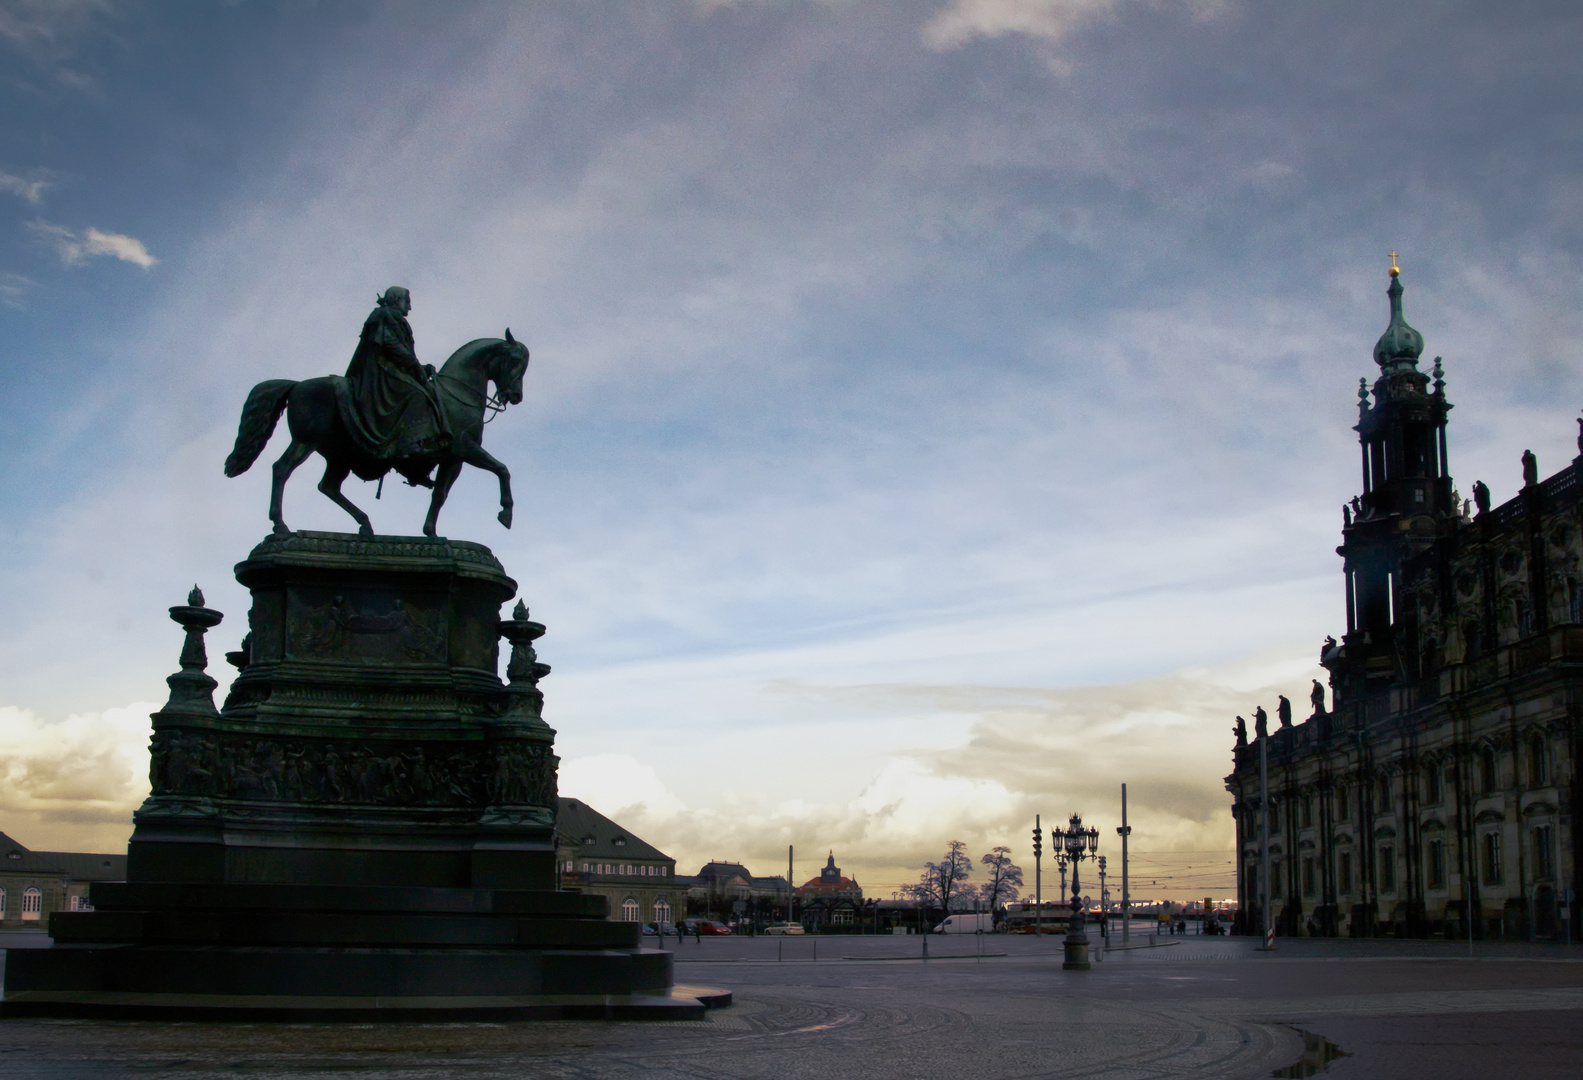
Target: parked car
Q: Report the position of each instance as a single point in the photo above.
(663, 929)
(783, 929)
(718, 929)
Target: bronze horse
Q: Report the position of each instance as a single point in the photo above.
(314, 418)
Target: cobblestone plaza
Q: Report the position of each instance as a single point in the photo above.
(873, 1008)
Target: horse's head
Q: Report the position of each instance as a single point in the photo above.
(506, 369)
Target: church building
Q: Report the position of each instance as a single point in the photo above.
(1441, 783)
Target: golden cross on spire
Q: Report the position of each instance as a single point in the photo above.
(1396, 271)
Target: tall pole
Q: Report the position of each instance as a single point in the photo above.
(791, 890)
(1268, 917)
(1038, 883)
(1126, 901)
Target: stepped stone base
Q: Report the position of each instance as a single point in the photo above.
(365, 831)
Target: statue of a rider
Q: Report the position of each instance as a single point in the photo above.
(392, 410)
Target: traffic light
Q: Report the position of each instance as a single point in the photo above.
(1038, 843)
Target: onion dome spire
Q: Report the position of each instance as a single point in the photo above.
(1400, 345)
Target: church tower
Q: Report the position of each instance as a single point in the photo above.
(1407, 501)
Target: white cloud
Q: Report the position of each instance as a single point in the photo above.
(30, 191)
(13, 287)
(1052, 20)
(73, 784)
(75, 249)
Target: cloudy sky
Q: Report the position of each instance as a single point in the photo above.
(939, 411)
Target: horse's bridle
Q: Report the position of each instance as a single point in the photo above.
(492, 403)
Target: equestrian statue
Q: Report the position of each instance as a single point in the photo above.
(388, 413)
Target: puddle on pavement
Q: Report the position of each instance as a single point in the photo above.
(1318, 1053)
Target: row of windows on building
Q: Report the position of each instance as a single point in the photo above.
(617, 869)
(33, 904)
(1491, 870)
(1433, 790)
(632, 911)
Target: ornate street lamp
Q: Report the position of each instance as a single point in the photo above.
(1060, 858)
(1080, 843)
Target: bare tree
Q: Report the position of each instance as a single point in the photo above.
(1005, 878)
(943, 881)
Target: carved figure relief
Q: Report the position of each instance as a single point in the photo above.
(239, 766)
(339, 629)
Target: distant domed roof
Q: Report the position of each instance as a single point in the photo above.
(1400, 345)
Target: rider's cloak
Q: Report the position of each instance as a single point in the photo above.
(390, 410)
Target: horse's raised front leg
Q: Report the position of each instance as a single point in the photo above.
(334, 474)
(479, 458)
(295, 455)
(444, 477)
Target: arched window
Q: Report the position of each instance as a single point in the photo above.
(662, 911)
(1538, 763)
(32, 905)
(629, 910)
(1487, 770)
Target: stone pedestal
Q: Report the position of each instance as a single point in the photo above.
(367, 828)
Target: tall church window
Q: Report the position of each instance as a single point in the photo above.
(1488, 778)
(32, 905)
(1544, 854)
(629, 910)
(1307, 806)
(1492, 858)
(1344, 872)
(1432, 792)
(1383, 804)
(1387, 869)
(1275, 816)
(1574, 600)
(1343, 809)
(1435, 856)
(1470, 638)
(1538, 763)
(1308, 875)
(1275, 880)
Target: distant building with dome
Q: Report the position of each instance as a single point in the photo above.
(830, 899)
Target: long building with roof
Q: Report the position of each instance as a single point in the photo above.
(597, 855)
(35, 884)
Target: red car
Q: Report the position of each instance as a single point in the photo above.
(718, 929)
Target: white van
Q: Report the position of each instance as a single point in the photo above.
(974, 923)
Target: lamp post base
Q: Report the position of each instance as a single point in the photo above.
(1076, 953)
(1076, 945)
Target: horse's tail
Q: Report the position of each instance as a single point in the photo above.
(265, 403)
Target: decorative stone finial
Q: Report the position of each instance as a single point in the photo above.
(1440, 378)
(1399, 347)
(523, 670)
(191, 688)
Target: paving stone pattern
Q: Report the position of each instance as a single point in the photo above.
(1197, 1009)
